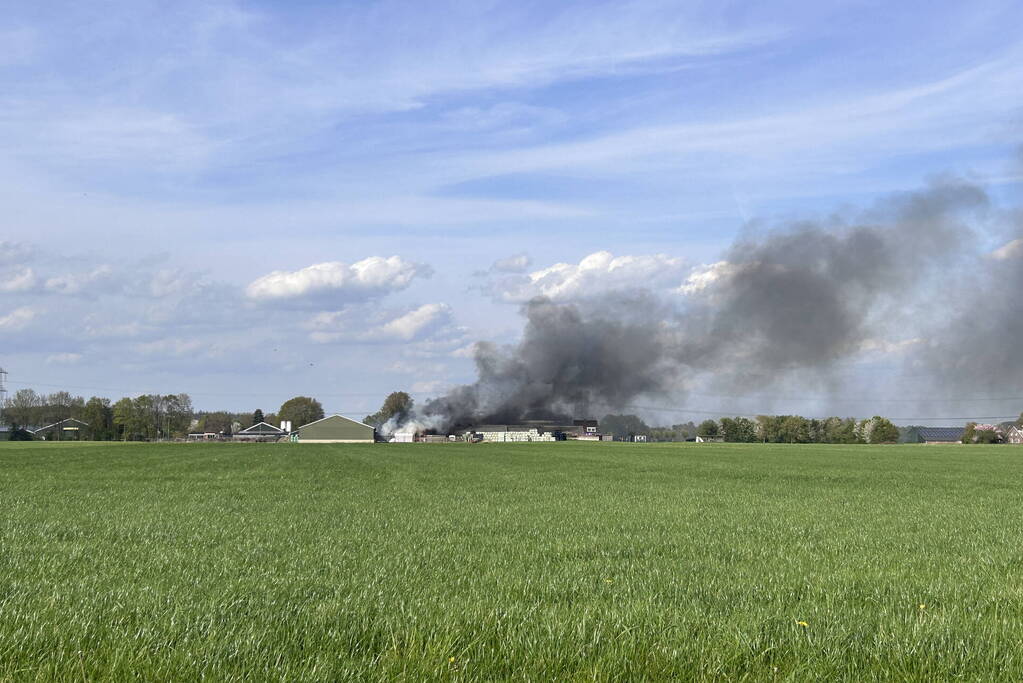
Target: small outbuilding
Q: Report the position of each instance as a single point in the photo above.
(336, 429)
(940, 434)
(1014, 435)
(68, 429)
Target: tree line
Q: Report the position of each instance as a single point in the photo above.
(149, 417)
(764, 428)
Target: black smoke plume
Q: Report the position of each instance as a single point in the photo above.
(791, 301)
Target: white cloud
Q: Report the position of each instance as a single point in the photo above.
(1007, 251)
(595, 274)
(428, 321)
(19, 282)
(17, 319)
(467, 351)
(78, 283)
(705, 276)
(366, 279)
(418, 322)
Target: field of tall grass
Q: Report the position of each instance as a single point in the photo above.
(510, 561)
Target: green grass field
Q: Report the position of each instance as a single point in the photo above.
(519, 561)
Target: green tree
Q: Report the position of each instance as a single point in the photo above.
(257, 417)
(19, 434)
(125, 419)
(708, 428)
(739, 430)
(969, 434)
(987, 436)
(99, 415)
(177, 415)
(794, 429)
(217, 422)
(768, 428)
(397, 406)
(884, 431)
(301, 410)
(25, 408)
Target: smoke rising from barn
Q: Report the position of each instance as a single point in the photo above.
(796, 300)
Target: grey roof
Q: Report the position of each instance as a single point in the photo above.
(60, 422)
(941, 433)
(262, 428)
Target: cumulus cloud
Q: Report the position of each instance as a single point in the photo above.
(338, 282)
(595, 274)
(703, 277)
(20, 281)
(17, 319)
(418, 322)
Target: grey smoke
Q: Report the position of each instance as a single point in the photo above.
(796, 300)
(572, 360)
(811, 294)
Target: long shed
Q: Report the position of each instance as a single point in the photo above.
(336, 429)
(940, 434)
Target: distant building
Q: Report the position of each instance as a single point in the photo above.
(336, 429)
(203, 436)
(511, 433)
(1014, 435)
(937, 435)
(262, 431)
(69, 429)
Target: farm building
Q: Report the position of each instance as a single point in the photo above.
(936, 435)
(69, 429)
(511, 433)
(260, 432)
(1014, 435)
(336, 429)
(203, 436)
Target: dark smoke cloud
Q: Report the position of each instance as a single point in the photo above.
(573, 359)
(796, 300)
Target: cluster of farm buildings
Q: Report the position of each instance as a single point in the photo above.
(340, 429)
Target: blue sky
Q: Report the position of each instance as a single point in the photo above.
(172, 171)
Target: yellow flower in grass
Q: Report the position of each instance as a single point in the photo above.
(922, 605)
(803, 624)
(451, 660)
(608, 580)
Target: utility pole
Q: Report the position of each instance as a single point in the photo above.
(3, 394)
